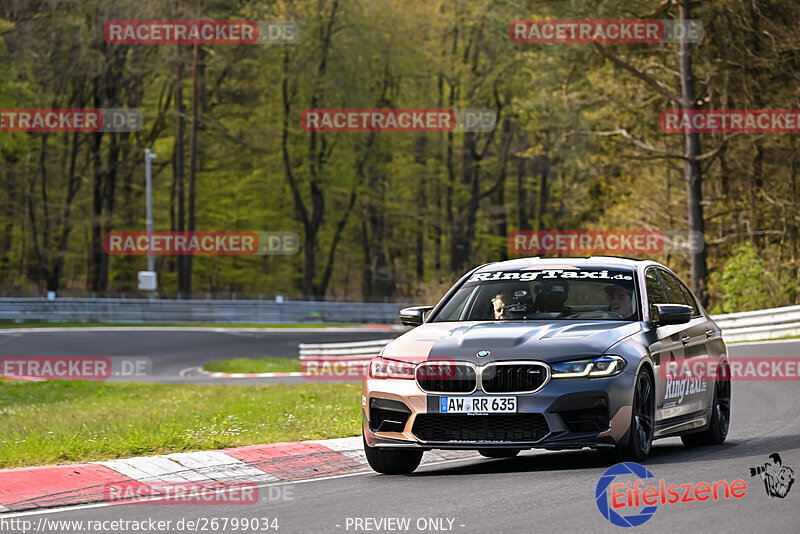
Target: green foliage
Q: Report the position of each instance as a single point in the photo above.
(253, 365)
(745, 284)
(564, 162)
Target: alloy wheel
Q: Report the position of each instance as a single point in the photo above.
(722, 406)
(643, 409)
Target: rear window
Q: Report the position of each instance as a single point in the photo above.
(545, 294)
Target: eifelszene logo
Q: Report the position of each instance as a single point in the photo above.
(778, 478)
(608, 510)
(619, 501)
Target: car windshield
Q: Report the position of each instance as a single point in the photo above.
(545, 294)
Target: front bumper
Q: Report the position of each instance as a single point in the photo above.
(569, 413)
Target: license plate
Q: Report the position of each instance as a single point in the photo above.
(478, 405)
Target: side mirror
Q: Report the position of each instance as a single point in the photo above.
(414, 316)
(672, 314)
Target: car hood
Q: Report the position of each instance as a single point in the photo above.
(512, 340)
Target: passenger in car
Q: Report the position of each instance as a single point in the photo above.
(499, 303)
(620, 300)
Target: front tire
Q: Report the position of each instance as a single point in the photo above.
(641, 431)
(499, 453)
(392, 461)
(717, 430)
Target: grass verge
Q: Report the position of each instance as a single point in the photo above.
(253, 365)
(74, 421)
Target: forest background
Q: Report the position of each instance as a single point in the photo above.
(395, 216)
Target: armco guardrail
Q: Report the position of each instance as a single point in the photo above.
(195, 311)
(336, 355)
(761, 324)
(744, 326)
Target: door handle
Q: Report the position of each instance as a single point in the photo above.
(709, 333)
(685, 340)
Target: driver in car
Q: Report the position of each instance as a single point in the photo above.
(620, 302)
(552, 295)
(508, 305)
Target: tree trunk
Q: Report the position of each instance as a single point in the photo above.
(311, 219)
(523, 222)
(691, 168)
(73, 184)
(179, 175)
(499, 216)
(422, 219)
(380, 281)
(366, 281)
(543, 193)
(96, 252)
(197, 98)
(463, 229)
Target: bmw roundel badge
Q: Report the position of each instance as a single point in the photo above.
(483, 354)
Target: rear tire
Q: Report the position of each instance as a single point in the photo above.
(717, 430)
(499, 453)
(392, 461)
(640, 433)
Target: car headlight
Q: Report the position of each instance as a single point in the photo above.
(380, 367)
(591, 367)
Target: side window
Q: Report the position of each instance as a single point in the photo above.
(454, 309)
(674, 288)
(655, 291)
(690, 299)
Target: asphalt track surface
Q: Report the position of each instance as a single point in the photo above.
(176, 353)
(539, 491)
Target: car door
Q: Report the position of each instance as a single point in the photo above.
(688, 392)
(712, 336)
(665, 345)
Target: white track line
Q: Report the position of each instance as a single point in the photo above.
(212, 374)
(188, 370)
